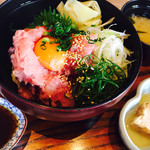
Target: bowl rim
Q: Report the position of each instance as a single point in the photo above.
(127, 107)
(115, 96)
(130, 3)
(22, 123)
(64, 109)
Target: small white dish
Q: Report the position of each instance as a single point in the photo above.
(22, 123)
(143, 88)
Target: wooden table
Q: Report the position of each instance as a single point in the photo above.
(98, 133)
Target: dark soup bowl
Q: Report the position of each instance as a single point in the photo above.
(140, 9)
(17, 15)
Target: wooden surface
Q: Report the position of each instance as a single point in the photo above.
(98, 133)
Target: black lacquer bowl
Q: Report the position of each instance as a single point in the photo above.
(18, 14)
(139, 8)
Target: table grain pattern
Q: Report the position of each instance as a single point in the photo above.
(97, 133)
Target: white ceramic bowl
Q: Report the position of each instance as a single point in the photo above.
(143, 88)
(22, 123)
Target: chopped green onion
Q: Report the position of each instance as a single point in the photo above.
(94, 83)
(93, 25)
(45, 39)
(45, 33)
(43, 46)
(60, 26)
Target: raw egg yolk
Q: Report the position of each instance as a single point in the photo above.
(48, 55)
